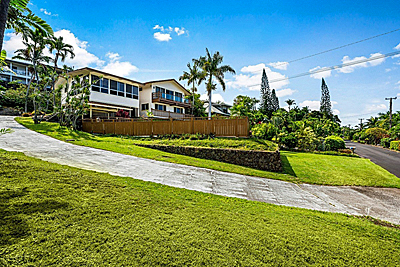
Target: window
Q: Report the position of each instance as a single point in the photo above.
(129, 91)
(178, 110)
(95, 83)
(170, 95)
(135, 92)
(178, 97)
(104, 85)
(145, 106)
(121, 89)
(161, 107)
(113, 87)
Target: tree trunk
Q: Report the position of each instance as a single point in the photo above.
(193, 100)
(209, 104)
(4, 5)
(27, 94)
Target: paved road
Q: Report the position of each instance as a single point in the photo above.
(382, 203)
(390, 160)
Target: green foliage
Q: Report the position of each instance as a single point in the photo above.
(334, 143)
(55, 215)
(385, 142)
(325, 105)
(198, 106)
(289, 141)
(4, 131)
(395, 145)
(263, 131)
(15, 97)
(375, 135)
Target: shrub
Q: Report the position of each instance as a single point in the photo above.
(290, 140)
(385, 142)
(334, 143)
(345, 151)
(374, 135)
(395, 145)
(263, 131)
(26, 114)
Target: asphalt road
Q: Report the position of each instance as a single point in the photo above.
(387, 159)
(382, 203)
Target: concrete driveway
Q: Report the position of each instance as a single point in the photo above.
(382, 203)
(387, 159)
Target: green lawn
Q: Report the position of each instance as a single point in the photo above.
(298, 167)
(54, 215)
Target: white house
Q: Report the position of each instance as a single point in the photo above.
(164, 99)
(15, 71)
(109, 93)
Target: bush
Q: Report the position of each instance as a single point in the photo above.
(263, 131)
(334, 143)
(395, 145)
(374, 135)
(26, 114)
(290, 140)
(385, 142)
(15, 97)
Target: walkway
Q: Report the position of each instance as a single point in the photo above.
(382, 203)
(387, 159)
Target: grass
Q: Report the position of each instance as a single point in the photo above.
(54, 215)
(229, 143)
(298, 167)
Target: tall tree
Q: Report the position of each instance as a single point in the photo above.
(195, 76)
(33, 52)
(211, 67)
(325, 104)
(274, 100)
(61, 52)
(266, 100)
(290, 102)
(4, 6)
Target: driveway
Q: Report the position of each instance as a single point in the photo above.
(382, 203)
(387, 159)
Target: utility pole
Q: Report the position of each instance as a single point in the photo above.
(361, 124)
(390, 109)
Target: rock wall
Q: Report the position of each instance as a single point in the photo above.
(261, 160)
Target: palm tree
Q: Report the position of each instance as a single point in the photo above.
(372, 122)
(33, 52)
(15, 14)
(290, 102)
(62, 50)
(194, 76)
(211, 67)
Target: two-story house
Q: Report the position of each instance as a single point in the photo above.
(164, 99)
(109, 93)
(15, 71)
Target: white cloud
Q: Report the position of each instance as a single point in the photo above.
(280, 65)
(48, 13)
(375, 107)
(336, 112)
(113, 56)
(179, 31)
(162, 37)
(124, 69)
(285, 92)
(214, 97)
(13, 43)
(350, 69)
(397, 47)
(251, 75)
(323, 74)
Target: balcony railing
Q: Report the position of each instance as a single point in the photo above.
(169, 114)
(15, 72)
(170, 99)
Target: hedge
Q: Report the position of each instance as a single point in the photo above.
(395, 145)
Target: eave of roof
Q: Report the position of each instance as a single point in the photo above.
(105, 73)
(169, 80)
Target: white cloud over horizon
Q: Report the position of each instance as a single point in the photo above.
(350, 69)
(315, 104)
(250, 78)
(280, 65)
(115, 66)
(164, 33)
(214, 97)
(48, 12)
(285, 92)
(397, 47)
(375, 107)
(323, 74)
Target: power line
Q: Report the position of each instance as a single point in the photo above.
(336, 48)
(333, 67)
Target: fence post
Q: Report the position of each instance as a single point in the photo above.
(104, 128)
(91, 123)
(151, 120)
(213, 125)
(114, 125)
(237, 127)
(192, 125)
(133, 127)
(171, 125)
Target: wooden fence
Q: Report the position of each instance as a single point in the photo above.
(234, 126)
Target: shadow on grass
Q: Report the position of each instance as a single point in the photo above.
(287, 168)
(13, 226)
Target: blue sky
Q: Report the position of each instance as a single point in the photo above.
(123, 37)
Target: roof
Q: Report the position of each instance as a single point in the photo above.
(215, 110)
(105, 73)
(169, 80)
(26, 63)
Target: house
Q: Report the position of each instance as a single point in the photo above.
(109, 93)
(15, 71)
(218, 109)
(164, 99)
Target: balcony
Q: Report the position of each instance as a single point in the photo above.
(170, 100)
(168, 114)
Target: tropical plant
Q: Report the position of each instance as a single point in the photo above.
(194, 77)
(4, 131)
(325, 105)
(290, 102)
(334, 143)
(211, 67)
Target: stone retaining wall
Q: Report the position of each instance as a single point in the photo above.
(262, 160)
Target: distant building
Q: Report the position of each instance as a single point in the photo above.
(15, 71)
(218, 109)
